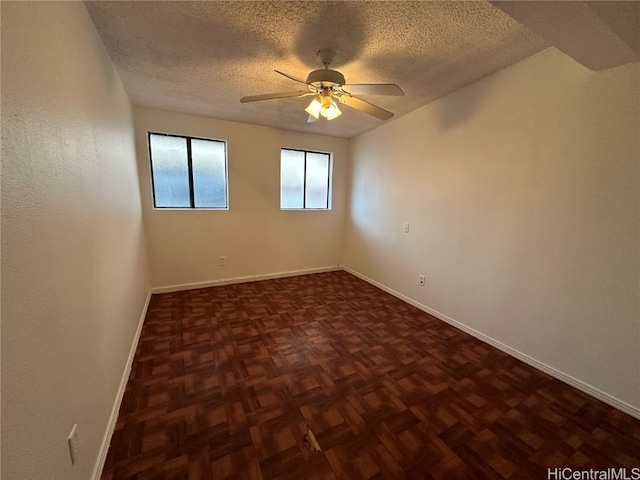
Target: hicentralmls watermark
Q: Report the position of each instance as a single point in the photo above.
(567, 473)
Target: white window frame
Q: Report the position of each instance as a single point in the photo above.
(304, 189)
(188, 139)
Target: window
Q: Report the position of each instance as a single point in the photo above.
(305, 179)
(188, 172)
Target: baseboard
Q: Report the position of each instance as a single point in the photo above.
(563, 377)
(106, 441)
(251, 278)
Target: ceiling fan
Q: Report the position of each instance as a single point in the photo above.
(327, 86)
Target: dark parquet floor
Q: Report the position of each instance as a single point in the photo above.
(226, 380)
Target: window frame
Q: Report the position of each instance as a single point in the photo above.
(188, 139)
(304, 181)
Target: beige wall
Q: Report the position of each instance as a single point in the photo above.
(522, 195)
(521, 190)
(74, 279)
(255, 236)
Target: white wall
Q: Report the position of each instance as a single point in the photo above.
(74, 279)
(522, 191)
(256, 237)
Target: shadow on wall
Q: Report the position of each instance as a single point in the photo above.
(109, 73)
(461, 107)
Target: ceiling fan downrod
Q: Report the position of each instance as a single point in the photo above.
(326, 56)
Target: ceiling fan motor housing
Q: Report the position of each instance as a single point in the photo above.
(324, 76)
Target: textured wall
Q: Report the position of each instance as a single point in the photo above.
(522, 194)
(74, 278)
(256, 237)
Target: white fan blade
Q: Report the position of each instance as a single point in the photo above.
(374, 89)
(269, 96)
(366, 107)
(290, 77)
(311, 119)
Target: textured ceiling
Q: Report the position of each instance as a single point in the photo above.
(202, 57)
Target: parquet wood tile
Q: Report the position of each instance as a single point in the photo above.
(226, 380)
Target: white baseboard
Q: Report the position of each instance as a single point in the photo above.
(563, 377)
(106, 441)
(251, 278)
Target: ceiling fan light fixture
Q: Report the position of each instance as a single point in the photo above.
(314, 107)
(323, 105)
(330, 109)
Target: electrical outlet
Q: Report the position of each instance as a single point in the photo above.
(405, 228)
(223, 261)
(421, 280)
(74, 444)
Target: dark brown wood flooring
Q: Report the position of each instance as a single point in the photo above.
(226, 380)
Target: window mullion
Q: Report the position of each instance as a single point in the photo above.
(190, 168)
(328, 182)
(304, 183)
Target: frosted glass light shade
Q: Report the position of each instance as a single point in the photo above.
(330, 112)
(314, 108)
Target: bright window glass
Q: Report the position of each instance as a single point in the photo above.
(291, 179)
(170, 171)
(209, 173)
(317, 185)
